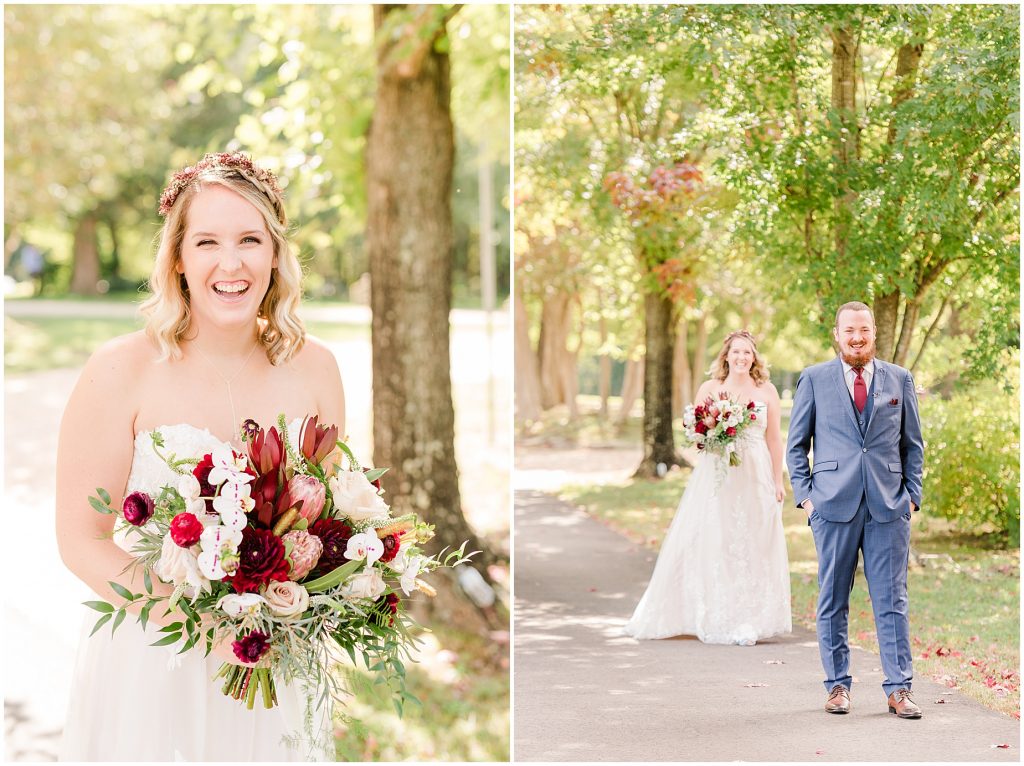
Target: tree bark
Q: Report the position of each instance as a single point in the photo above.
(85, 271)
(886, 309)
(604, 372)
(910, 315)
(684, 373)
(700, 354)
(409, 161)
(632, 387)
(558, 365)
(659, 443)
(527, 371)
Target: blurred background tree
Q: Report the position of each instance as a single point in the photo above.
(846, 153)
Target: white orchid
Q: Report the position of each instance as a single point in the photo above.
(219, 547)
(227, 466)
(413, 566)
(237, 604)
(364, 545)
(233, 502)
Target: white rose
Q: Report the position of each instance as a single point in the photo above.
(178, 565)
(287, 600)
(367, 584)
(237, 604)
(356, 498)
(365, 545)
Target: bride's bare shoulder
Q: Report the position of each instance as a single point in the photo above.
(129, 352)
(768, 390)
(318, 365)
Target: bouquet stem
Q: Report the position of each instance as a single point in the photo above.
(242, 683)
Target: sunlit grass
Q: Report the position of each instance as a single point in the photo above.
(462, 684)
(47, 343)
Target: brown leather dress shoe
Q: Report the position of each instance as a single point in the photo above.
(838, 700)
(901, 704)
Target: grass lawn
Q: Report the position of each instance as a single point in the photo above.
(48, 343)
(463, 716)
(964, 596)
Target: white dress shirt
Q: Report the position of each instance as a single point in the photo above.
(850, 375)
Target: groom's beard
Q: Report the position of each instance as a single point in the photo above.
(859, 357)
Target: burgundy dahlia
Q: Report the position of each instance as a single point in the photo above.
(334, 535)
(185, 530)
(202, 474)
(730, 431)
(251, 647)
(391, 546)
(261, 558)
(137, 508)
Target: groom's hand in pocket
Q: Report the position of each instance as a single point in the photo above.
(808, 507)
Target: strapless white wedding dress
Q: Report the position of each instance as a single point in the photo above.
(723, 573)
(134, 702)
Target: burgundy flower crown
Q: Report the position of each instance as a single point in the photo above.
(184, 177)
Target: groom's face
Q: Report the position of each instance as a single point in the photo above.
(855, 334)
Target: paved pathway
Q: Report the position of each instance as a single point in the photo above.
(583, 692)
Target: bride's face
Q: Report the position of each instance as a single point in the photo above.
(740, 355)
(227, 256)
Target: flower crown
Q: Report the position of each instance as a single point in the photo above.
(741, 334)
(236, 160)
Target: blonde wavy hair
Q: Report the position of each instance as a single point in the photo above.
(720, 367)
(167, 310)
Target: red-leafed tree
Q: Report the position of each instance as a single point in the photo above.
(662, 211)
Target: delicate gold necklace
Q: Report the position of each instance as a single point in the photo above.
(228, 381)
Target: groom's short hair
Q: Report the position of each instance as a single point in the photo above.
(854, 306)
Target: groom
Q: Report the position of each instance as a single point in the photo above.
(859, 414)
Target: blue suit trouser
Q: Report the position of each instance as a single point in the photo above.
(886, 550)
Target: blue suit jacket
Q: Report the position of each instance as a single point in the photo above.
(884, 463)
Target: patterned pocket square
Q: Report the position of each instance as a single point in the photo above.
(894, 402)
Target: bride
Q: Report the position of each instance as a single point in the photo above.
(723, 573)
(222, 343)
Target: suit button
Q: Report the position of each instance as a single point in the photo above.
(865, 449)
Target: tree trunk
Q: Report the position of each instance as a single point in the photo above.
(527, 372)
(85, 272)
(680, 372)
(115, 250)
(844, 103)
(685, 373)
(409, 160)
(632, 386)
(659, 444)
(700, 354)
(910, 315)
(558, 372)
(604, 371)
(886, 310)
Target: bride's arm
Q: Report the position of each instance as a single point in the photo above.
(95, 450)
(773, 436)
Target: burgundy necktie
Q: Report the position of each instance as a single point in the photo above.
(860, 390)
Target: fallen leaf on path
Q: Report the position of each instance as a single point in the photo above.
(755, 686)
(940, 702)
(774, 662)
(1002, 747)
(592, 590)
(819, 752)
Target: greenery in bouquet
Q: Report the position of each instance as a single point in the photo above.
(287, 550)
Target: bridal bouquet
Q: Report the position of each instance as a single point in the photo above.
(283, 550)
(716, 424)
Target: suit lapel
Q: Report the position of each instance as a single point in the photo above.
(844, 392)
(878, 384)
